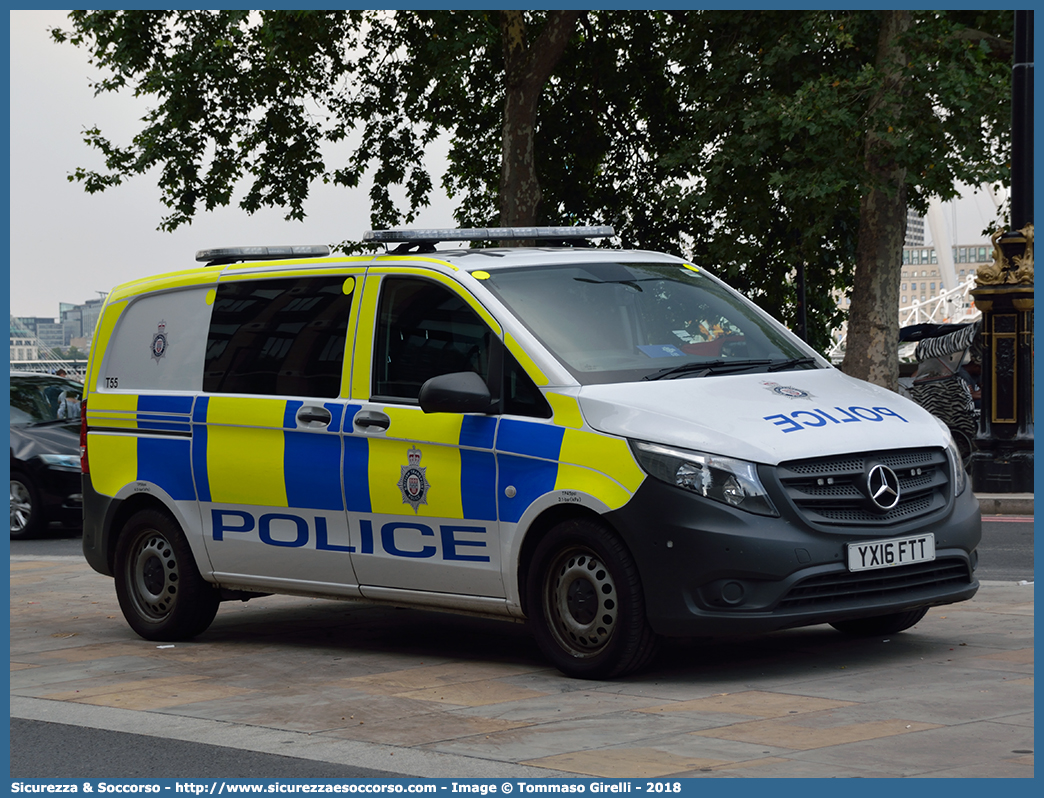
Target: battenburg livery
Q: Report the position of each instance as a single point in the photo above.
(612, 445)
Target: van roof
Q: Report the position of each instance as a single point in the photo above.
(416, 240)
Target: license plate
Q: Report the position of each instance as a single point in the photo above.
(891, 553)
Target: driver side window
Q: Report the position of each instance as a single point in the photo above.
(425, 330)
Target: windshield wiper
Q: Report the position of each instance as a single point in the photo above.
(793, 363)
(705, 368)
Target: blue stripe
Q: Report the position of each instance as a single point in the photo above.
(310, 468)
(356, 473)
(199, 410)
(164, 426)
(478, 431)
(525, 437)
(199, 457)
(165, 404)
(349, 416)
(181, 419)
(478, 485)
(530, 478)
(335, 415)
(290, 415)
(167, 462)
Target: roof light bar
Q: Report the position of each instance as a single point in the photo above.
(432, 235)
(223, 255)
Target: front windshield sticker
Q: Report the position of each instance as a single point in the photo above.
(661, 350)
(805, 419)
(787, 391)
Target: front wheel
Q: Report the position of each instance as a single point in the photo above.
(161, 592)
(881, 624)
(586, 603)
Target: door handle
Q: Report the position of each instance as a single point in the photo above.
(372, 418)
(314, 416)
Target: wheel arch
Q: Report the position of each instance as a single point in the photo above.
(122, 511)
(539, 528)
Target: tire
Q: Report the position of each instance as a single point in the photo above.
(161, 592)
(586, 604)
(881, 624)
(26, 508)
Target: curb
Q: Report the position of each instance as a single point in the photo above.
(1005, 503)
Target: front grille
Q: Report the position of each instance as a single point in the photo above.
(861, 586)
(831, 491)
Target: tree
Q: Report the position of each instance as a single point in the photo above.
(761, 144)
(252, 98)
(527, 68)
(814, 130)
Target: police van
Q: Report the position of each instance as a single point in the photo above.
(613, 446)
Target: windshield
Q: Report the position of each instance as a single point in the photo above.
(621, 322)
(41, 400)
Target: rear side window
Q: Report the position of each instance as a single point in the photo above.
(279, 336)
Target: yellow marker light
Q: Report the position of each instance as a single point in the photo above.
(349, 286)
(480, 275)
(211, 296)
(692, 268)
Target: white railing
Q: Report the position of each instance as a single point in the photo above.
(946, 308)
(949, 307)
(48, 361)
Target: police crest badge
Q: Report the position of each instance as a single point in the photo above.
(159, 341)
(413, 483)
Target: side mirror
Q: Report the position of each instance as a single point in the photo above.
(459, 392)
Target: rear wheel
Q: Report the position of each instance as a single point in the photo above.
(881, 624)
(586, 603)
(26, 508)
(161, 592)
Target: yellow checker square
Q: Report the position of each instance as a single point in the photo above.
(593, 484)
(416, 425)
(252, 412)
(113, 461)
(611, 456)
(125, 402)
(245, 466)
(436, 474)
(566, 410)
(118, 410)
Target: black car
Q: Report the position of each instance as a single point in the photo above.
(45, 453)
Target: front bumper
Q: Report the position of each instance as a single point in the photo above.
(709, 569)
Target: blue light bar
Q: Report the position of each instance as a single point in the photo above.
(433, 235)
(232, 254)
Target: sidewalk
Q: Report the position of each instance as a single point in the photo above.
(450, 696)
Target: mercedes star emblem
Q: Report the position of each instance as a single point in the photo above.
(883, 487)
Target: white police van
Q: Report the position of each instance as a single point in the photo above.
(613, 445)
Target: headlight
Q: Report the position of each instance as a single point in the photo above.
(723, 479)
(61, 462)
(958, 475)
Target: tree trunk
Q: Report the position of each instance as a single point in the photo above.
(872, 350)
(526, 71)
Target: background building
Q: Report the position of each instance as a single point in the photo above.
(40, 343)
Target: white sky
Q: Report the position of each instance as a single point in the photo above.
(67, 245)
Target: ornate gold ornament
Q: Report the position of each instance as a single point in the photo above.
(1018, 271)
